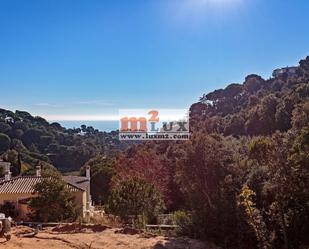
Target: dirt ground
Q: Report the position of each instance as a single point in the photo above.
(94, 238)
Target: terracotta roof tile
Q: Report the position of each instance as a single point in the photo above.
(25, 184)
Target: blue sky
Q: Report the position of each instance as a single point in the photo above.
(73, 59)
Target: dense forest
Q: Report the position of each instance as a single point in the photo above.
(241, 181)
(29, 141)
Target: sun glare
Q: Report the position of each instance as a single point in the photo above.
(198, 10)
(210, 4)
(213, 2)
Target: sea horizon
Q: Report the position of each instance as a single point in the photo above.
(101, 125)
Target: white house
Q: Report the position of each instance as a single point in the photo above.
(17, 190)
(285, 70)
(9, 120)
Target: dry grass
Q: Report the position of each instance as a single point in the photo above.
(100, 218)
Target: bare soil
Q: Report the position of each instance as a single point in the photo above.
(94, 237)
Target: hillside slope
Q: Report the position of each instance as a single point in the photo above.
(33, 140)
(256, 107)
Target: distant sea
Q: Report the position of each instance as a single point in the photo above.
(100, 125)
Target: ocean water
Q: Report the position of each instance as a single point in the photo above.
(100, 125)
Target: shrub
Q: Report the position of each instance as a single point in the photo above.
(135, 197)
(184, 222)
(8, 209)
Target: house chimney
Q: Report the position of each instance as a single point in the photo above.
(89, 202)
(88, 171)
(38, 171)
(7, 172)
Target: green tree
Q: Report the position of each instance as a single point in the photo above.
(255, 218)
(14, 158)
(54, 201)
(279, 177)
(5, 128)
(267, 113)
(295, 191)
(300, 117)
(253, 83)
(32, 136)
(135, 197)
(304, 66)
(205, 175)
(102, 171)
(5, 142)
